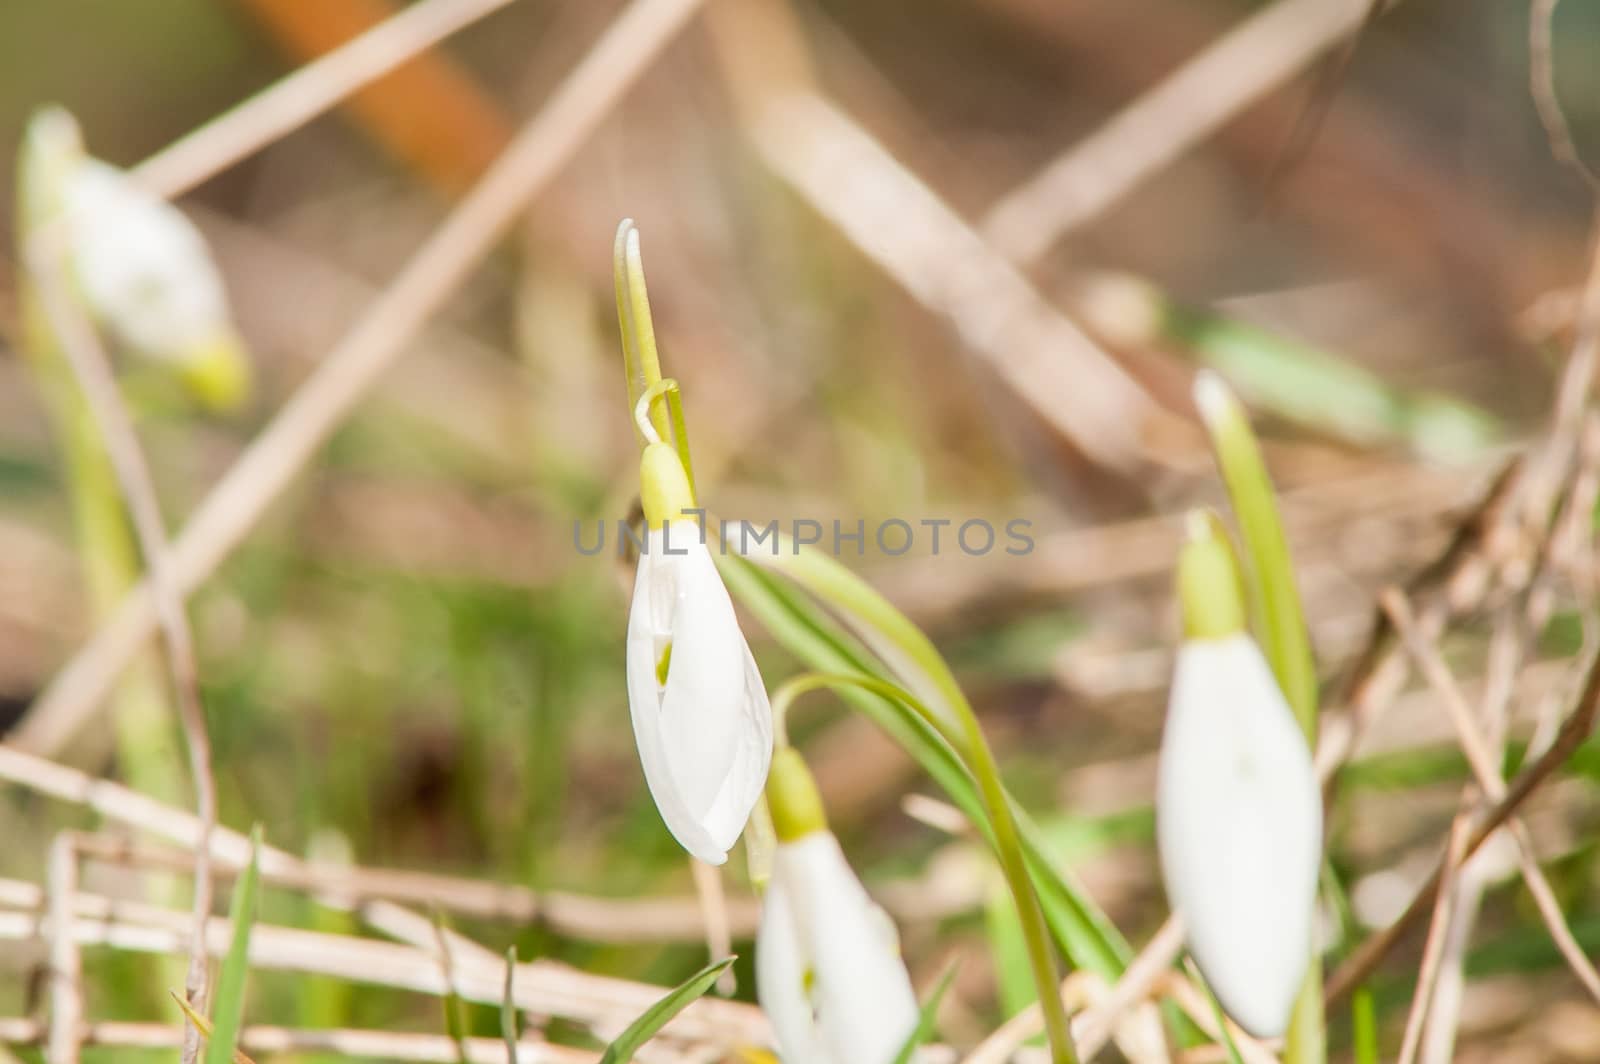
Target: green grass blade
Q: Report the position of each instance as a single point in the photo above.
(658, 1015)
(1364, 1026)
(1328, 393)
(454, 1008)
(1079, 927)
(926, 1017)
(508, 1007)
(203, 1025)
(227, 1010)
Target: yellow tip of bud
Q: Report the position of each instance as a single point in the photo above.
(663, 485)
(1209, 590)
(792, 794)
(217, 373)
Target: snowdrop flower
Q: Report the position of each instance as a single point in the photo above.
(700, 711)
(143, 269)
(1239, 811)
(828, 967)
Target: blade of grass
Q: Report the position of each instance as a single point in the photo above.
(926, 1017)
(1228, 1043)
(658, 1015)
(1364, 1027)
(203, 1025)
(228, 1007)
(508, 1008)
(454, 1010)
(1080, 928)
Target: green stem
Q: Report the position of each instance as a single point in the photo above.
(805, 683)
(1284, 635)
(907, 650)
(145, 743)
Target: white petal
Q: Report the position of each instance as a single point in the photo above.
(781, 967)
(144, 268)
(1239, 823)
(705, 740)
(866, 1008)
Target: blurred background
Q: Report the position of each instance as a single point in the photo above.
(408, 663)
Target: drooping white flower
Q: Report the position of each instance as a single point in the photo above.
(828, 968)
(142, 268)
(1239, 825)
(700, 711)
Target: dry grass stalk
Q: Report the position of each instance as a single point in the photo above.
(385, 1045)
(1433, 949)
(592, 918)
(544, 987)
(233, 508)
(1577, 726)
(1486, 771)
(311, 90)
(66, 964)
(1169, 120)
(848, 177)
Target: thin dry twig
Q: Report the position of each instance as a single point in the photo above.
(1486, 771)
(232, 509)
(1542, 82)
(291, 102)
(596, 919)
(1506, 652)
(360, 1044)
(1574, 730)
(1303, 134)
(1148, 134)
(1184, 989)
(542, 986)
(66, 963)
(713, 901)
(81, 347)
(853, 181)
(1433, 949)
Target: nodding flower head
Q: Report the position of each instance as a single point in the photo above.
(142, 268)
(700, 710)
(828, 967)
(1238, 808)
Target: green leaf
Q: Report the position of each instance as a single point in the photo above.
(203, 1025)
(1328, 393)
(1364, 1026)
(227, 1010)
(1080, 928)
(1274, 594)
(1006, 947)
(658, 1015)
(925, 1019)
(1222, 1027)
(454, 1009)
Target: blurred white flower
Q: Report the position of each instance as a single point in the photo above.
(147, 275)
(828, 967)
(700, 711)
(142, 268)
(1239, 824)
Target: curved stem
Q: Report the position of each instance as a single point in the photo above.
(806, 682)
(904, 647)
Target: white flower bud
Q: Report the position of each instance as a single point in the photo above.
(1239, 824)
